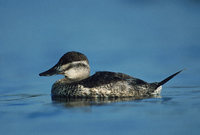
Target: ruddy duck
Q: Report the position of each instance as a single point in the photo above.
(78, 82)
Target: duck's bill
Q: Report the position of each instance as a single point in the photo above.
(50, 72)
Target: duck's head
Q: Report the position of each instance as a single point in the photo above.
(73, 65)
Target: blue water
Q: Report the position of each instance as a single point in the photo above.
(148, 39)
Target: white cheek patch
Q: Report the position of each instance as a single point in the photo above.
(77, 70)
(63, 67)
(77, 73)
(71, 73)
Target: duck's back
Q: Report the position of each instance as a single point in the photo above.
(103, 84)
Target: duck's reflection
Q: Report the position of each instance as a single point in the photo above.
(81, 102)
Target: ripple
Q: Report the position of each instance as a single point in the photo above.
(14, 97)
(177, 87)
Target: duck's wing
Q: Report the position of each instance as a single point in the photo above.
(105, 77)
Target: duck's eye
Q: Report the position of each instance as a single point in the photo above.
(73, 65)
(77, 65)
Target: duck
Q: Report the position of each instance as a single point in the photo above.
(77, 82)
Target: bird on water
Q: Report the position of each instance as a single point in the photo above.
(78, 82)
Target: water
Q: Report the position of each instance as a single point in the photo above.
(146, 39)
(176, 112)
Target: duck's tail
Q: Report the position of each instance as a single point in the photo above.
(168, 78)
(155, 88)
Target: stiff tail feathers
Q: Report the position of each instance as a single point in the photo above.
(169, 78)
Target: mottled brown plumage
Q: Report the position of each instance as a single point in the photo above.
(78, 83)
